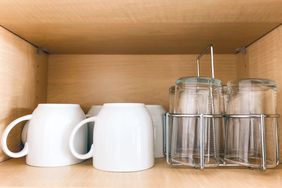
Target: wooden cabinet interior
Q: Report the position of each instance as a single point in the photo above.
(156, 44)
(23, 80)
(96, 79)
(263, 59)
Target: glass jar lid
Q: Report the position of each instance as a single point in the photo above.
(194, 80)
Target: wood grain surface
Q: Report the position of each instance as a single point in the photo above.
(23, 81)
(15, 173)
(98, 79)
(264, 60)
(140, 27)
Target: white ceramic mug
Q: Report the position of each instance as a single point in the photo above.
(157, 113)
(48, 134)
(123, 138)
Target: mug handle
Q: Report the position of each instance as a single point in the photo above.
(6, 132)
(71, 140)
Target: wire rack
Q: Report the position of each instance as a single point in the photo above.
(169, 117)
(224, 117)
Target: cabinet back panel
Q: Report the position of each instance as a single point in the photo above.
(264, 60)
(23, 81)
(97, 79)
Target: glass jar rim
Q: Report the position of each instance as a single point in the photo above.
(247, 82)
(192, 80)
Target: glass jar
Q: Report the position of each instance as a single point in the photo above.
(194, 143)
(251, 126)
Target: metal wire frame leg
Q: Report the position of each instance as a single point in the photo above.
(263, 144)
(277, 141)
(202, 142)
(167, 138)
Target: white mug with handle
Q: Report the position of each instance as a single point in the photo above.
(48, 134)
(122, 139)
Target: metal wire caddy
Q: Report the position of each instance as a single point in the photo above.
(168, 117)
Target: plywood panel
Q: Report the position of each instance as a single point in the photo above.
(264, 60)
(23, 78)
(97, 79)
(140, 27)
(161, 175)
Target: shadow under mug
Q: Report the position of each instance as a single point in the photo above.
(48, 134)
(122, 139)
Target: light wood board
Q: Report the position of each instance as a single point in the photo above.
(23, 81)
(140, 27)
(264, 60)
(97, 79)
(15, 173)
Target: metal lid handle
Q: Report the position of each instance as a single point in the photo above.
(210, 47)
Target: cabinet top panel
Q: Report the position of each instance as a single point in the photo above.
(140, 27)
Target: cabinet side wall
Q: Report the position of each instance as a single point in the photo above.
(23, 81)
(97, 79)
(264, 60)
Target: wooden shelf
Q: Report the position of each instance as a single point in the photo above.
(15, 173)
(140, 27)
